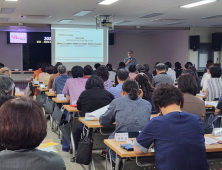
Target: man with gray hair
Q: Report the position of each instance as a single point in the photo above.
(60, 81)
(162, 76)
(6, 88)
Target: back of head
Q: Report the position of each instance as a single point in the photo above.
(166, 95)
(23, 125)
(2, 65)
(168, 64)
(132, 68)
(145, 85)
(61, 69)
(77, 71)
(88, 70)
(131, 87)
(97, 65)
(55, 69)
(49, 69)
(215, 72)
(178, 65)
(44, 66)
(103, 73)
(122, 64)
(189, 71)
(188, 64)
(187, 84)
(109, 67)
(210, 62)
(160, 67)
(94, 82)
(122, 74)
(193, 68)
(6, 86)
(141, 69)
(209, 65)
(156, 64)
(6, 71)
(147, 68)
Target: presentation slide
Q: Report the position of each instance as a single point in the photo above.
(16, 37)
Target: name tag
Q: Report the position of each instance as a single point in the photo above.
(50, 90)
(217, 132)
(60, 97)
(36, 82)
(42, 86)
(121, 137)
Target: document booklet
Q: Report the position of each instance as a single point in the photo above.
(96, 114)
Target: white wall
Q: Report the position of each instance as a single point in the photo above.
(10, 54)
(148, 49)
(205, 37)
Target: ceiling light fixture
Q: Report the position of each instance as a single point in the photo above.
(11, 0)
(65, 20)
(81, 13)
(198, 3)
(107, 2)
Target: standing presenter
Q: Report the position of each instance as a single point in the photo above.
(130, 60)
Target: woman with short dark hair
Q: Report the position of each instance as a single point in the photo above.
(178, 136)
(49, 69)
(6, 88)
(193, 68)
(132, 70)
(192, 104)
(103, 73)
(43, 73)
(93, 98)
(147, 68)
(75, 85)
(23, 128)
(130, 112)
(178, 69)
(87, 71)
(111, 72)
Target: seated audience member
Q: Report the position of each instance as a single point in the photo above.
(207, 74)
(212, 87)
(162, 76)
(132, 70)
(37, 72)
(192, 104)
(6, 88)
(218, 109)
(178, 69)
(122, 75)
(193, 68)
(154, 71)
(147, 68)
(95, 66)
(178, 136)
(43, 74)
(23, 128)
(93, 98)
(6, 71)
(111, 72)
(170, 70)
(55, 74)
(87, 71)
(169, 73)
(49, 70)
(141, 69)
(1, 65)
(75, 86)
(103, 73)
(146, 87)
(187, 65)
(121, 66)
(60, 81)
(210, 62)
(130, 112)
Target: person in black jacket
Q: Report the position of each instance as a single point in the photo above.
(93, 98)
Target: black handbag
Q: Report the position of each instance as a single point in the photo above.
(84, 151)
(49, 105)
(57, 115)
(65, 129)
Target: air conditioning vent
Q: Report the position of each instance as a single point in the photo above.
(167, 20)
(121, 22)
(212, 17)
(35, 16)
(174, 23)
(151, 15)
(4, 19)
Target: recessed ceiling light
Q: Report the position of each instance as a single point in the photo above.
(151, 15)
(4, 19)
(107, 2)
(122, 22)
(82, 13)
(11, 0)
(65, 20)
(211, 17)
(7, 10)
(198, 3)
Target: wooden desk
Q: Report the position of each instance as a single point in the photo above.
(60, 101)
(36, 85)
(203, 97)
(115, 146)
(92, 123)
(70, 109)
(40, 89)
(50, 94)
(210, 106)
(19, 95)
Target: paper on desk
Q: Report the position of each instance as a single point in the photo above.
(96, 114)
(200, 95)
(45, 145)
(210, 141)
(218, 138)
(48, 149)
(211, 103)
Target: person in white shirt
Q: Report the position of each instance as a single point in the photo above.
(207, 74)
(112, 74)
(170, 70)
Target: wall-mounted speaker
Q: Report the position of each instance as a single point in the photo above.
(111, 39)
(194, 42)
(216, 41)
